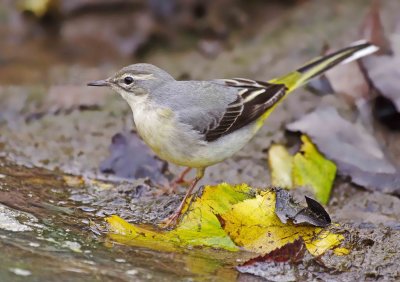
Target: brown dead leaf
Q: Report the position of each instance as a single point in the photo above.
(373, 78)
(373, 31)
(349, 82)
(382, 68)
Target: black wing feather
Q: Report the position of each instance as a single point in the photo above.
(241, 112)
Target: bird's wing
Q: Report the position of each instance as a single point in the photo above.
(217, 108)
(254, 98)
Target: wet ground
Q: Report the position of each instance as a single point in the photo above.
(55, 133)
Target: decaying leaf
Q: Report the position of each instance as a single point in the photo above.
(199, 225)
(253, 225)
(310, 168)
(373, 31)
(37, 7)
(352, 148)
(384, 73)
(227, 217)
(306, 168)
(131, 158)
(286, 209)
(370, 83)
(281, 166)
(292, 252)
(382, 68)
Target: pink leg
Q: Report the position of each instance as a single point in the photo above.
(181, 177)
(173, 185)
(172, 220)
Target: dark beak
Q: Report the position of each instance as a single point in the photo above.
(98, 83)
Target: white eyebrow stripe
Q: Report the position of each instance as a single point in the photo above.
(140, 76)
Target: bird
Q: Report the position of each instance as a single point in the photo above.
(197, 123)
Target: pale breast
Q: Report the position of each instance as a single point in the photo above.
(169, 139)
(180, 144)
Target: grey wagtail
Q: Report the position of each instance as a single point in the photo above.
(200, 123)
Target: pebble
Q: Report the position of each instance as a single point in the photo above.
(120, 260)
(20, 272)
(132, 272)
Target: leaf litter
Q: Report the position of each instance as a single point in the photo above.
(308, 168)
(371, 83)
(382, 68)
(352, 148)
(234, 218)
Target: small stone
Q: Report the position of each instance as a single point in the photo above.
(73, 246)
(132, 272)
(120, 260)
(20, 272)
(34, 244)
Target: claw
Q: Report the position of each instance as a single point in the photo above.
(172, 187)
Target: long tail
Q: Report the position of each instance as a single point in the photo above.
(317, 67)
(320, 65)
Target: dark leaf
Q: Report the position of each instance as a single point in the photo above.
(291, 252)
(382, 69)
(373, 31)
(131, 158)
(286, 209)
(314, 214)
(318, 209)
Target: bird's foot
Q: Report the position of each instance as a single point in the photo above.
(171, 221)
(172, 187)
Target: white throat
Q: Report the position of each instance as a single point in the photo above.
(134, 101)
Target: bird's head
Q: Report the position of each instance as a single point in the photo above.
(135, 82)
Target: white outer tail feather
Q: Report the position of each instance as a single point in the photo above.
(362, 53)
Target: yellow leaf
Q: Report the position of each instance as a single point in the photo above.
(126, 233)
(281, 165)
(226, 217)
(307, 168)
(73, 180)
(78, 181)
(311, 169)
(341, 251)
(37, 7)
(253, 225)
(199, 226)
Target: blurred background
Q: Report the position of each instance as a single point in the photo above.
(96, 33)
(40, 37)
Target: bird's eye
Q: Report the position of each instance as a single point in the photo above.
(128, 80)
